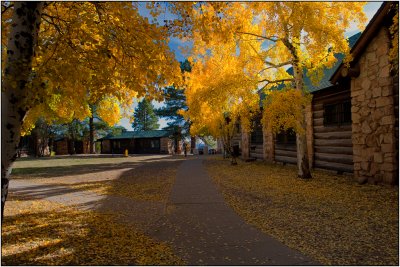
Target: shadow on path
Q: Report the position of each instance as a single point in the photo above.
(196, 221)
(57, 188)
(206, 231)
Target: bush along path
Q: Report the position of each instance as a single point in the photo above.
(204, 230)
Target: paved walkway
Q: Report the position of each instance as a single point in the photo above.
(205, 231)
(201, 227)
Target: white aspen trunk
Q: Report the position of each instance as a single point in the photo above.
(20, 52)
(303, 167)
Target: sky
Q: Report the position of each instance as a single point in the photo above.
(174, 44)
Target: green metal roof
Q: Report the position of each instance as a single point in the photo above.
(139, 134)
(327, 73)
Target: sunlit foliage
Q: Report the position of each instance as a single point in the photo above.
(217, 86)
(284, 109)
(102, 54)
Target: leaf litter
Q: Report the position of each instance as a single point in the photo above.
(40, 232)
(330, 217)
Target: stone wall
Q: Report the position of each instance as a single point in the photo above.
(373, 115)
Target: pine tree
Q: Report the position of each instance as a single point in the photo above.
(175, 100)
(145, 117)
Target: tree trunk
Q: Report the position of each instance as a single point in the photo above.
(302, 157)
(71, 142)
(192, 143)
(91, 136)
(20, 52)
(303, 167)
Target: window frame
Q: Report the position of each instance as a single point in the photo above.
(337, 114)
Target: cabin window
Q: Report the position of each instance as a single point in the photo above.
(116, 144)
(155, 143)
(286, 137)
(337, 114)
(257, 133)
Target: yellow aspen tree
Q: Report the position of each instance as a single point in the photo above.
(63, 57)
(301, 35)
(20, 52)
(217, 90)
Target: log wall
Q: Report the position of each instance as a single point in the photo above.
(285, 147)
(332, 143)
(285, 153)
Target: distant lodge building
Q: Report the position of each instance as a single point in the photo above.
(65, 146)
(138, 142)
(352, 123)
(32, 145)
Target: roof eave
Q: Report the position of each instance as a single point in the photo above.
(364, 39)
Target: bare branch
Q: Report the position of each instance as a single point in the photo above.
(54, 17)
(275, 81)
(275, 66)
(54, 24)
(54, 51)
(269, 38)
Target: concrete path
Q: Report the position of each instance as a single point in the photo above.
(206, 231)
(198, 223)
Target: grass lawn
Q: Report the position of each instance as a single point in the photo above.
(41, 232)
(329, 218)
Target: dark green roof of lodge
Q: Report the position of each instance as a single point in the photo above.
(138, 134)
(327, 73)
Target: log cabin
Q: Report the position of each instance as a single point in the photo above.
(352, 123)
(138, 142)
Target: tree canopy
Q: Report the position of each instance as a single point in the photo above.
(102, 54)
(239, 47)
(59, 58)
